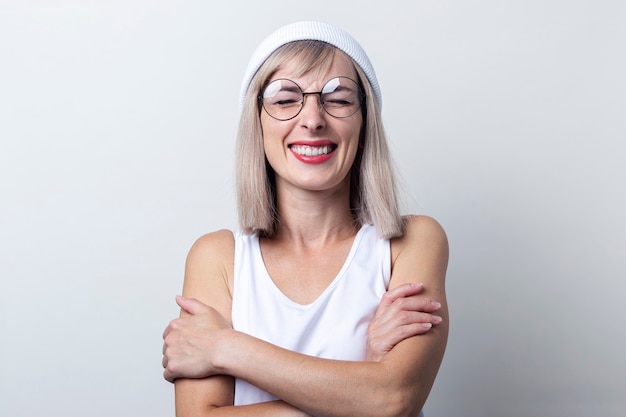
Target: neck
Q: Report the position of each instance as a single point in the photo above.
(314, 218)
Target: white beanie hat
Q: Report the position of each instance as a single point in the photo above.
(317, 31)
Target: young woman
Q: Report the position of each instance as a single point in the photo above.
(321, 303)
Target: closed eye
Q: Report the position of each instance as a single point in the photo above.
(338, 103)
(286, 102)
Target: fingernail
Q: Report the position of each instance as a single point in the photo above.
(427, 325)
(435, 304)
(437, 319)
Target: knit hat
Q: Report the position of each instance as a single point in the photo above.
(309, 30)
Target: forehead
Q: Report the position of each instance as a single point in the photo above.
(340, 65)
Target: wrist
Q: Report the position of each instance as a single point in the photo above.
(226, 348)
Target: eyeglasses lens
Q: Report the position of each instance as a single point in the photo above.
(283, 99)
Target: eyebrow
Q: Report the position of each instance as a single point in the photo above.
(290, 88)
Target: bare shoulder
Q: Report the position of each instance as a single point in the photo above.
(420, 231)
(424, 227)
(421, 254)
(213, 245)
(209, 270)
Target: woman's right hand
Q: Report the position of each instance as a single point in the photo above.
(190, 342)
(401, 314)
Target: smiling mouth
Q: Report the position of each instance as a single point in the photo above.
(306, 150)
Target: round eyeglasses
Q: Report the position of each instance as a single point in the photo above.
(340, 97)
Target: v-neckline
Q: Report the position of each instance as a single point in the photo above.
(281, 295)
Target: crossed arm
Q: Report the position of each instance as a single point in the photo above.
(203, 353)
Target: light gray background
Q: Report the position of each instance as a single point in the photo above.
(507, 120)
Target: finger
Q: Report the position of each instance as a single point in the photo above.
(404, 318)
(191, 305)
(405, 324)
(416, 303)
(410, 330)
(403, 291)
(386, 342)
(405, 307)
(167, 330)
(409, 292)
(168, 375)
(408, 325)
(408, 318)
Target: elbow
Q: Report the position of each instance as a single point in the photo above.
(406, 406)
(400, 403)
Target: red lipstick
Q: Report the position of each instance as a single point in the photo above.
(313, 152)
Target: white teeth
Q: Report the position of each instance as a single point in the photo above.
(311, 150)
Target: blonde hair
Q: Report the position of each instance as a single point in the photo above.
(373, 195)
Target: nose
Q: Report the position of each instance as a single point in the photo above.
(312, 113)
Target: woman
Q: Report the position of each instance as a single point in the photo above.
(314, 307)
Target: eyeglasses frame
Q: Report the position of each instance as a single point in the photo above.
(361, 97)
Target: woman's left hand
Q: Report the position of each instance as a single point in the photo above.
(190, 342)
(402, 313)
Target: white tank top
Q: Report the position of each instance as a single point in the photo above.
(334, 326)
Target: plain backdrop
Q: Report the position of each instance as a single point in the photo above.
(507, 120)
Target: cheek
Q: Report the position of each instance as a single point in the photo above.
(268, 135)
(272, 144)
(271, 140)
(273, 130)
(358, 134)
